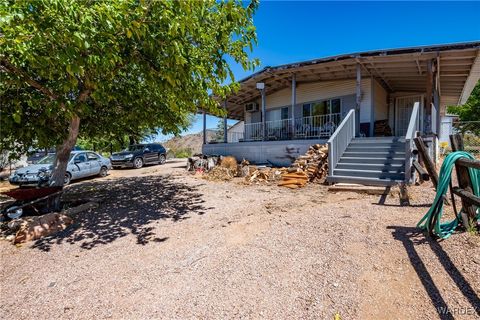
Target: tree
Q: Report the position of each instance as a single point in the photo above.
(103, 69)
(219, 131)
(470, 111)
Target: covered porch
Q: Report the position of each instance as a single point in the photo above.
(304, 103)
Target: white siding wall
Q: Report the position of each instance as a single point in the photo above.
(380, 102)
(310, 92)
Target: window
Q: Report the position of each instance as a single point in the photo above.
(92, 156)
(321, 108)
(307, 110)
(335, 106)
(80, 158)
(285, 113)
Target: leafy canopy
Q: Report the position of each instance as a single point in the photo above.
(470, 111)
(121, 66)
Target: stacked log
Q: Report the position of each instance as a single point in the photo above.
(310, 167)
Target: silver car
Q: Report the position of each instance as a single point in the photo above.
(80, 165)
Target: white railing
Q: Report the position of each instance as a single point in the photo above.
(253, 131)
(278, 129)
(321, 126)
(339, 141)
(235, 136)
(413, 128)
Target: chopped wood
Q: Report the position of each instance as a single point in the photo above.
(310, 167)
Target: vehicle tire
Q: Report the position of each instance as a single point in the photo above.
(103, 172)
(68, 178)
(137, 163)
(162, 159)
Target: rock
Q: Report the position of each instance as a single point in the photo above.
(15, 224)
(10, 237)
(42, 226)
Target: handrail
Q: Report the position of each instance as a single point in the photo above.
(413, 127)
(340, 139)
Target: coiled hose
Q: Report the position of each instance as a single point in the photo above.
(431, 221)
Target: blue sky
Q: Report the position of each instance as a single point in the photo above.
(290, 31)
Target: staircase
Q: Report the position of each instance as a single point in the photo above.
(372, 161)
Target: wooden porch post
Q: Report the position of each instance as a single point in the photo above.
(358, 91)
(225, 129)
(204, 127)
(294, 102)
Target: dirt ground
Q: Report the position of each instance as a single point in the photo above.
(166, 244)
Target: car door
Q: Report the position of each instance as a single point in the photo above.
(95, 165)
(80, 166)
(149, 154)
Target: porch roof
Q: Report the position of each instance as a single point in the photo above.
(398, 70)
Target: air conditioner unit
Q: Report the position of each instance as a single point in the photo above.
(251, 107)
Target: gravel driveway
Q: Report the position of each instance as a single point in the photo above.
(165, 244)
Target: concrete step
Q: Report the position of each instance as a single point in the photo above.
(368, 160)
(379, 139)
(394, 168)
(374, 154)
(378, 144)
(363, 181)
(374, 147)
(378, 174)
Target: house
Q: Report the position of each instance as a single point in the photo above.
(368, 106)
(236, 132)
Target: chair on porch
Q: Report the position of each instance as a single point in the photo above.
(302, 130)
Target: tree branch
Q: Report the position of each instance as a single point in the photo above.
(22, 74)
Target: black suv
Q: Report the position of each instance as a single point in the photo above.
(139, 154)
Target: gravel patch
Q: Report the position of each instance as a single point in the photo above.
(165, 244)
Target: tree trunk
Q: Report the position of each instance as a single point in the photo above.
(63, 153)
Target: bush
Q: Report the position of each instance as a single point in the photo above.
(182, 153)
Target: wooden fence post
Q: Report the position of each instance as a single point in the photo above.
(429, 165)
(464, 182)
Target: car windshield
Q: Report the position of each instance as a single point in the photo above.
(50, 159)
(135, 147)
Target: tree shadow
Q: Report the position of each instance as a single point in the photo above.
(126, 206)
(410, 237)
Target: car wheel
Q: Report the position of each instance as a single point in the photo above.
(103, 172)
(138, 163)
(68, 178)
(162, 159)
(14, 212)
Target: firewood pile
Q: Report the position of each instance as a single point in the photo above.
(381, 128)
(310, 167)
(264, 175)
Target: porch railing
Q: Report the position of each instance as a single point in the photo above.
(413, 128)
(253, 131)
(339, 141)
(317, 126)
(235, 136)
(321, 126)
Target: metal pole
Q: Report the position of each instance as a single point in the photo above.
(225, 131)
(264, 113)
(294, 101)
(204, 127)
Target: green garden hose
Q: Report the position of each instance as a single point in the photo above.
(431, 221)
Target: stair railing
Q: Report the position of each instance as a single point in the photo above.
(340, 139)
(413, 128)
